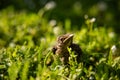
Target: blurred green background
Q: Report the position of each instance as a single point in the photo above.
(29, 28)
(106, 12)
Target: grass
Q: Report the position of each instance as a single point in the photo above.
(25, 49)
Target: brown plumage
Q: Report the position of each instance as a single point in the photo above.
(60, 49)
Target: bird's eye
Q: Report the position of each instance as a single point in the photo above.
(61, 39)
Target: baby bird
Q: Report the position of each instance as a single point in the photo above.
(60, 49)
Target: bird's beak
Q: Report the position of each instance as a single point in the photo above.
(71, 35)
(69, 38)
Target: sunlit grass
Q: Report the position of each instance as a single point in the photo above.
(25, 49)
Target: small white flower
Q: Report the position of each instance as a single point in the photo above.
(12, 44)
(50, 5)
(115, 51)
(86, 16)
(57, 30)
(91, 78)
(1, 75)
(43, 40)
(9, 64)
(23, 48)
(114, 48)
(53, 22)
(92, 20)
(111, 34)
